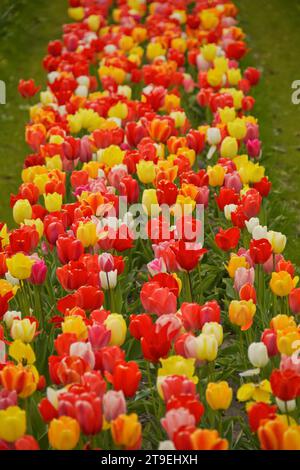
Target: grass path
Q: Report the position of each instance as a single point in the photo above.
(273, 33)
(272, 27)
(26, 26)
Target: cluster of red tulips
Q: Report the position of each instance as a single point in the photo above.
(172, 323)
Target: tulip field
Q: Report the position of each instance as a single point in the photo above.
(147, 300)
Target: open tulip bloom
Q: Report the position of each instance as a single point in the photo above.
(172, 323)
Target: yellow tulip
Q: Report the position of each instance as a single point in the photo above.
(21, 352)
(234, 76)
(214, 329)
(23, 330)
(119, 110)
(111, 156)
(277, 240)
(37, 223)
(288, 340)
(126, 430)
(154, 49)
(53, 202)
(281, 322)
(237, 129)
(150, 203)
(206, 347)
(76, 14)
(12, 423)
(229, 147)
(22, 210)
(214, 77)
(20, 266)
(116, 324)
(258, 392)
(216, 175)
(241, 313)
(178, 365)
(282, 283)
(227, 114)
(64, 433)
(209, 52)
(75, 324)
(87, 233)
(146, 171)
(218, 395)
(236, 262)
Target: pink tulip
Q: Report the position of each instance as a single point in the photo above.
(243, 276)
(253, 148)
(8, 398)
(85, 351)
(233, 181)
(114, 404)
(99, 336)
(176, 419)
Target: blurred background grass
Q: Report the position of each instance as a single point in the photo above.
(272, 27)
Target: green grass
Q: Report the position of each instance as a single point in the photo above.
(26, 28)
(272, 27)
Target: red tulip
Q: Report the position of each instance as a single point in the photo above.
(187, 255)
(228, 239)
(139, 324)
(158, 300)
(26, 443)
(23, 239)
(155, 344)
(189, 402)
(129, 187)
(294, 300)
(251, 203)
(47, 410)
(285, 384)
(269, 338)
(248, 292)
(260, 250)
(263, 186)
(166, 192)
(86, 408)
(182, 438)
(227, 196)
(259, 412)
(28, 88)
(126, 376)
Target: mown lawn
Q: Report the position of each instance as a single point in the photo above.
(273, 33)
(26, 26)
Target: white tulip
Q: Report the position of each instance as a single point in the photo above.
(278, 241)
(228, 210)
(286, 406)
(10, 316)
(258, 354)
(108, 280)
(213, 136)
(166, 445)
(251, 224)
(259, 232)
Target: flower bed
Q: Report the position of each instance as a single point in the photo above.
(145, 302)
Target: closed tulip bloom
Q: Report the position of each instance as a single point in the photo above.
(85, 351)
(260, 250)
(258, 355)
(20, 266)
(146, 171)
(269, 338)
(278, 241)
(206, 347)
(108, 279)
(243, 276)
(282, 283)
(177, 365)
(126, 376)
(12, 424)
(294, 300)
(207, 439)
(75, 324)
(218, 395)
(22, 210)
(213, 136)
(228, 239)
(87, 234)
(288, 340)
(64, 433)
(260, 232)
(23, 329)
(241, 313)
(216, 175)
(38, 272)
(126, 431)
(175, 419)
(214, 329)
(114, 405)
(150, 203)
(229, 147)
(116, 324)
(53, 202)
(251, 224)
(277, 435)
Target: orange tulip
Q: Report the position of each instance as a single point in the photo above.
(207, 439)
(19, 378)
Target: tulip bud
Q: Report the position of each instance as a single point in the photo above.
(218, 395)
(214, 329)
(258, 355)
(12, 423)
(108, 280)
(206, 347)
(22, 210)
(116, 324)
